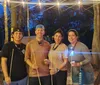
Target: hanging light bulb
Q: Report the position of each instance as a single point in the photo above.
(80, 3)
(39, 4)
(58, 4)
(23, 3)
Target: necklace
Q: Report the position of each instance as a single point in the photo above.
(17, 46)
(40, 42)
(55, 47)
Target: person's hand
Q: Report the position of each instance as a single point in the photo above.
(53, 71)
(73, 63)
(46, 61)
(8, 80)
(78, 64)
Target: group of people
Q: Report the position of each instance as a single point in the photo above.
(39, 63)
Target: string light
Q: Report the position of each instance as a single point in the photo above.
(80, 3)
(71, 3)
(39, 4)
(23, 3)
(58, 4)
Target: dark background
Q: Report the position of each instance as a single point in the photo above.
(67, 17)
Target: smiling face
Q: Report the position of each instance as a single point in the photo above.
(72, 37)
(17, 36)
(58, 38)
(39, 32)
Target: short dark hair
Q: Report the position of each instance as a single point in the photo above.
(59, 31)
(73, 30)
(17, 30)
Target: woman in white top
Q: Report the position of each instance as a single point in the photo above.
(58, 61)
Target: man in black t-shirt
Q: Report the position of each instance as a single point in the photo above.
(12, 60)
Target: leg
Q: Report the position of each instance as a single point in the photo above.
(54, 79)
(33, 81)
(46, 80)
(61, 77)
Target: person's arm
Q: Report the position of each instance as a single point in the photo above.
(27, 57)
(54, 70)
(4, 57)
(5, 70)
(86, 54)
(30, 64)
(65, 60)
(65, 57)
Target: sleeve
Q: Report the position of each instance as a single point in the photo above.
(50, 58)
(49, 46)
(86, 53)
(5, 51)
(65, 52)
(27, 52)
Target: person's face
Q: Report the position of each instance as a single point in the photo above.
(72, 38)
(58, 38)
(17, 36)
(39, 32)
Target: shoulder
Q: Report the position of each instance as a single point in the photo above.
(7, 49)
(52, 44)
(47, 42)
(64, 45)
(31, 42)
(9, 44)
(82, 44)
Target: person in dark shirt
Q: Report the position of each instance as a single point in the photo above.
(12, 60)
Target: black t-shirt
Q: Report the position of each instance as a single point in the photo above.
(19, 70)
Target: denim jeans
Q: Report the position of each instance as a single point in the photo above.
(20, 82)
